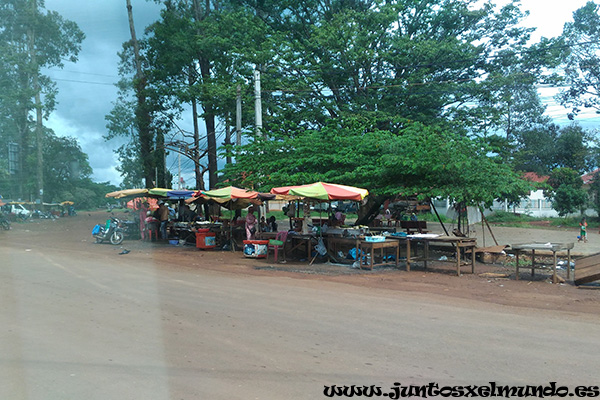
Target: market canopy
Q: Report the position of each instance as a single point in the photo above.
(180, 194)
(232, 197)
(159, 192)
(119, 194)
(154, 192)
(323, 191)
(230, 192)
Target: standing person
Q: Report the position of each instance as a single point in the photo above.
(163, 217)
(583, 230)
(250, 224)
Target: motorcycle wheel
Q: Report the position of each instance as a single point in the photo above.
(5, 225)
(98, 240)
(116, 238)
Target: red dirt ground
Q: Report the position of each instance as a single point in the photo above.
(73, 234)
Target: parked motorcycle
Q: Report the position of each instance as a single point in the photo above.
(43, 214)
(112, 231)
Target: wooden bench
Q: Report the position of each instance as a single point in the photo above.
(414, 226)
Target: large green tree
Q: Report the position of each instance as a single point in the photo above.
(31, 38)
(566, 191)
(361, 78)
(200, 53)
(582, 62)
(421, 160)
(542, 149)
(65, 166)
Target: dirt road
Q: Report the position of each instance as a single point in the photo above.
(162, 322)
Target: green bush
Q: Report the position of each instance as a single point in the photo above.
(508, 217)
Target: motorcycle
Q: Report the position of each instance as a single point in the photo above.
(43, 215)
(112, 232)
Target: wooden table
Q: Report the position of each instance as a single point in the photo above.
(461, 245)
(381, 229)
(553, 247)
(370, 247)
(302, 240)
(333, 242)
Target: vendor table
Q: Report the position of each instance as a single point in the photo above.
(370, 247)
(183, 232)
(334, 242)
(381, 229)
(266, 235)
(553, 247)
(461, 245)
(302, 240)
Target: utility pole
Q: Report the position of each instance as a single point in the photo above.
(257, 102)
(238, 116)
(228, 137)
(179, 169)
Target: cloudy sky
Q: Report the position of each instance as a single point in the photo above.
(86, 89)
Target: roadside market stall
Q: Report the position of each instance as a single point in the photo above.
(340, 236)
(231, 230)
(141, 200)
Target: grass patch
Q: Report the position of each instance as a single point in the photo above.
(509, 219)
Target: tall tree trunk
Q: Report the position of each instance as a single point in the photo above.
(39, 133)
(196, 145)
(142, 115)
(211, 140)
(209, 115)
(159, 160)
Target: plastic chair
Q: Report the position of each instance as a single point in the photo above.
(281, 237)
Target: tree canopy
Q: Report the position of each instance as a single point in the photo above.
(30, 38)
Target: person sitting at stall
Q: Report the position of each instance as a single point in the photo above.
(272, 225)
(250, 224)
(144, 208)
(263, 225)
(150, 226)
(186, 214)
(338, 219)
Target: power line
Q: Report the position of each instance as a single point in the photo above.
(82, 73)
(86, 82)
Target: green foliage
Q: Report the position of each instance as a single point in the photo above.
(582, 36)
(594, 192)
(536, 150)
(30, 38)
(572, 149)
(504, 218)
(429, 162)
(509, 217)
(566, 191)
(64, 167)
(542, 149)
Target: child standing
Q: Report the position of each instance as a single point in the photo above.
(583, 230)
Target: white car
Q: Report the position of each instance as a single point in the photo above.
(17, 209)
